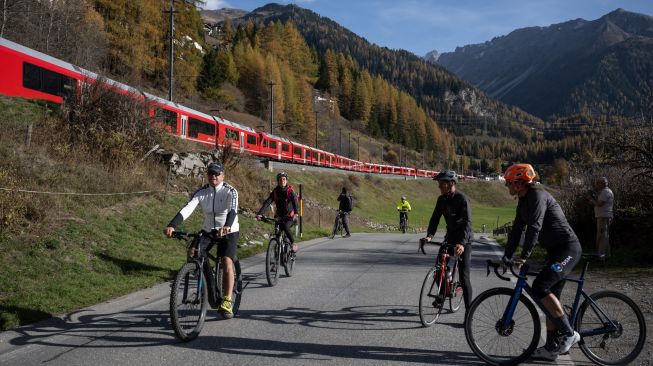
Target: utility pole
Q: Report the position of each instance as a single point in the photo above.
(358, 148)
(349, 146)
(172, 38)
(316, 130)
(271, 84)
(340, 141)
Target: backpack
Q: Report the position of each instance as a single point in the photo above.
(348, 203)
(291, 211)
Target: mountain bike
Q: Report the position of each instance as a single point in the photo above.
(503, 325)
(338, 227)
(403, 221)
(441, 283)
(196, 287)
(278, 253)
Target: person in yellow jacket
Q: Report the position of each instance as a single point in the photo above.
(403, 207)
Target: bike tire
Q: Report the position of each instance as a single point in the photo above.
(236, 290)
(188, 302)
(335, 228)
(456, 292)
(430, 299)
(483, 323)
(289, 262)
(621, 346)
(237, 293)
(272, 262)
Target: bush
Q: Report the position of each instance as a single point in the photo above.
(113, 128)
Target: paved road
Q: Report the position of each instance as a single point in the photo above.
(351, 302)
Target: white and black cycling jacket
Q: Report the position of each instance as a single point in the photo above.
(219, 204)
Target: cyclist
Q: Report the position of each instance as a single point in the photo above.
(285, 200)
(543, 218)
(457, 212)
(403, 207)
(219, 202)
(345, 207)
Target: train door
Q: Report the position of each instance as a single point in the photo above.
(242, 142)
(184, 126)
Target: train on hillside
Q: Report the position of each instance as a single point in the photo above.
(31, 74)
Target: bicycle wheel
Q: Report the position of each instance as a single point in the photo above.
(430, 298)
(335, 227)
(237, 293)
(188, 302)
(456, 292)
(272, 262)
(483, 328)
(289, 262)
(618, 346)
(403, 226)
(237, 287)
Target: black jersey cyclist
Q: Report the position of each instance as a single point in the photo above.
(287, 207)
(543, 218)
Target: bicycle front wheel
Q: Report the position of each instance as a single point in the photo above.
(335, 228)
(237, 293)
(456, 293)
(272, 262)
(488, 338)
(188, 302)
(431, 299)
(289, 262)
(604, 343)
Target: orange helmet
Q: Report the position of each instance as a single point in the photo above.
(523, 172)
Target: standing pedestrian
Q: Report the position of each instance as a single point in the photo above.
(603, 200)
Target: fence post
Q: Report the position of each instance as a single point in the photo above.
(301, 212)
(165, 195)
(28, 138)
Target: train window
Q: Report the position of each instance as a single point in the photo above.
(265, 143)
(297, 151)
(44, 80)
(251, 140)
(285, 147)
(196, 126)
(314, 155)
(273, 144)
(166, 117)
(231, 134)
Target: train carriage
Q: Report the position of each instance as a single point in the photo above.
(33, 75)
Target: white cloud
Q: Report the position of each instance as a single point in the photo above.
(216, 4)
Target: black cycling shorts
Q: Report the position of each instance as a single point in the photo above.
(559, 263)
(227, 245)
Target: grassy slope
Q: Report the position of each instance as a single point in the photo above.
(70, 252)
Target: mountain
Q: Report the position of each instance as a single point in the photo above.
(432, 56)
(220, 15)
(453, 103)
(600, 67)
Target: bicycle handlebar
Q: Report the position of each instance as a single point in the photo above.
(507, 264)
(423, 242)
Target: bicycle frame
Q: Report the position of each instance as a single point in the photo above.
(522, 285)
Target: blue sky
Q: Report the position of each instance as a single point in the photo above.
(421, 26)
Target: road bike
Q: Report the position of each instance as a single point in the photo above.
(198, 284)
(278, 253)
(338, 226)
(441, 283)
(503, 326)
(403, 221)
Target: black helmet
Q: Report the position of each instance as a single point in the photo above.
(282, 174)
(214, 168)
(446, 176)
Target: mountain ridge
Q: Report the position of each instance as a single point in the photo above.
(554, 70)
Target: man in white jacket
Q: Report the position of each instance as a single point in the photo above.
(603, 200)
(219, 202)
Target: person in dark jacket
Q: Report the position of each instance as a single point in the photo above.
(543, 218)
(287, 207)
(345, 207)
(457, 212)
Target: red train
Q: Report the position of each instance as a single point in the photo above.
(30, 74)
